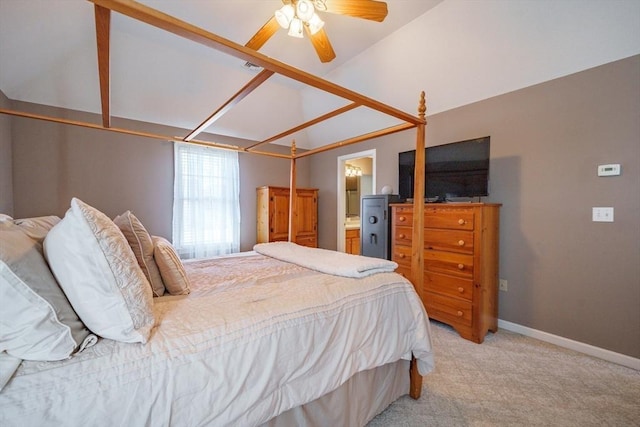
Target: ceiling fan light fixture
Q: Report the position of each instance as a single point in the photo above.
(299, 17)
(295, 29)
(285, 15)
(320, 4)
(304, 10)
(315, 24)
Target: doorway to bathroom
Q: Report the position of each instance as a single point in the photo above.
(356, 178)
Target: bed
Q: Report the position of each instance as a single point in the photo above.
(251, 339)
(283, 335)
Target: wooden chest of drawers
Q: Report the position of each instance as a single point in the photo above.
(460, 263)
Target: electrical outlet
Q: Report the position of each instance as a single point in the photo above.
(503, 285)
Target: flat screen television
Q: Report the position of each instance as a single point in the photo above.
(459, 169)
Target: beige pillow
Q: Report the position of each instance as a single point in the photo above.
(142, 246)
(100, 275)
(37, 227)
(36, 320)
(173, 273)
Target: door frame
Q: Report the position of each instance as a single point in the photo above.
(341, 203)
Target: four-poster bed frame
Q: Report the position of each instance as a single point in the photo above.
(103, 9)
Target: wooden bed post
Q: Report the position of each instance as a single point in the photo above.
(103, 38)
(417, 239)
(293, 224)
(415, 384)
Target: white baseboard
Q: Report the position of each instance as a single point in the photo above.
(601, 353)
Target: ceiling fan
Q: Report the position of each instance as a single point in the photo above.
(299, 16)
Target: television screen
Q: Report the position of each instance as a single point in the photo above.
(458, 169)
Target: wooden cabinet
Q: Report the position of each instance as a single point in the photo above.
(352, 241)
(273, 215)
(460, 263)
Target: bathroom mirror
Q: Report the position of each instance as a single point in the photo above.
(352, 188)
(358, 183)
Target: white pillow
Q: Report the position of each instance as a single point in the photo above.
(36, 319)
(5, 217)
(142, 245)
(100, 275)
(173, 273)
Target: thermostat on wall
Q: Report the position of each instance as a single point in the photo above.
(609, 170)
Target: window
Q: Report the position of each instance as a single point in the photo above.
(206, 202)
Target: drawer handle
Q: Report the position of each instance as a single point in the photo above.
(459, 313)
(461, 221)
(460, 242)
(461, 289)
(401, 236)
(402, 219)
(401, 255)
(460, 266)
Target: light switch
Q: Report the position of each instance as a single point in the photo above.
(603, 214)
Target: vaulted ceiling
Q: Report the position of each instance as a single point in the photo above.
(48, 56)
(458, 51)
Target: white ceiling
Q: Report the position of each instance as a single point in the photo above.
(458, 51)
(48, 56)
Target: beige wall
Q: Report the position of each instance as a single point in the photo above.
(6, 170)
(116, 172)
(567, 275)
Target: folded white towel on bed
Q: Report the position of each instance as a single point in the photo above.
(326, 261)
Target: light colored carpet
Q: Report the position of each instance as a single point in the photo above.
(513, 380)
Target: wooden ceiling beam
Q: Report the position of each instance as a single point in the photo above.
(361, 138)
(227, 106)
(143, 13)
(343, 143)
(306, 125)
(136, 133)
(103, 37)
(173, 25)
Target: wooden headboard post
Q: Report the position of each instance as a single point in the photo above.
(293, 223)
(417, 256)
(417, 239)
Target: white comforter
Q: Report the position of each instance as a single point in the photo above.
(255, 337)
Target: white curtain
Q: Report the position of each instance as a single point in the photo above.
(206, 201)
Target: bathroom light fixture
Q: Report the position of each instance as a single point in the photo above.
(351, 170)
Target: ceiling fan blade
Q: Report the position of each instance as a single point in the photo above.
(365, 9)
(263, 34)
(322, 45)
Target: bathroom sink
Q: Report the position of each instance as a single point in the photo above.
(352, 223)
